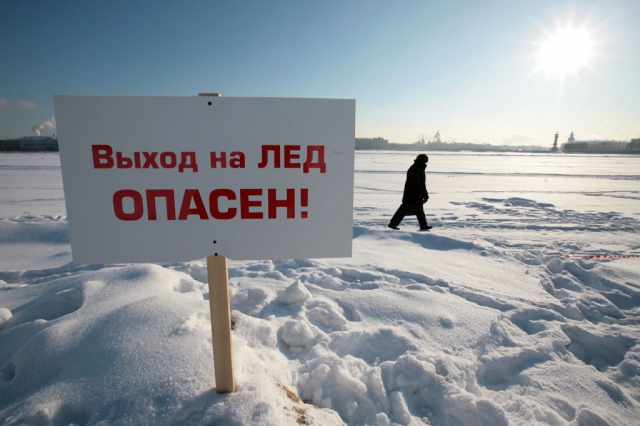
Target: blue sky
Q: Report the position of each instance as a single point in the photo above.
(469, 69)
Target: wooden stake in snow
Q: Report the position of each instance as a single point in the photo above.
(220, 307)
(218, 274)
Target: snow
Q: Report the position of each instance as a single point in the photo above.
(481, 321)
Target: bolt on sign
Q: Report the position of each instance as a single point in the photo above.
(166, 179)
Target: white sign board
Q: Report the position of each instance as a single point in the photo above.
(166, 179)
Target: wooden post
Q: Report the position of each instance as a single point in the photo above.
(219, 305)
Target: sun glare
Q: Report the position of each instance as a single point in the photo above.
(566, 51)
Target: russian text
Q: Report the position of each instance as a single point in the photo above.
(291, 154)
(103, 158)
(223, 204)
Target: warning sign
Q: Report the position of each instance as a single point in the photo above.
(165, 179)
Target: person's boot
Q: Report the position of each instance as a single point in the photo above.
(392, 226)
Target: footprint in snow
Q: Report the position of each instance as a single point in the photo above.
(600, 349)
(49, 307)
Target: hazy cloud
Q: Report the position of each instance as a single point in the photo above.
(590, 137)
(26, 105)
(22, 105)
(49, 124)
(521, 140)
(450, 137)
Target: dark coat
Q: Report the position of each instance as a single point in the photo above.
(415, 187)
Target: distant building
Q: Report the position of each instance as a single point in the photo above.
(29, 144)
(596, 146)
(10, 145)
(372, 143)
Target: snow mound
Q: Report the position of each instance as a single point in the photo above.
(295, 293)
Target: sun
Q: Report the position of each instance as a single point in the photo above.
(566, 51)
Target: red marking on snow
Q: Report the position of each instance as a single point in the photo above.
(603, 256)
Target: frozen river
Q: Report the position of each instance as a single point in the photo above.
(491, 318)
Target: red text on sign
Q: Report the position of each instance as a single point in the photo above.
(219, 204)
(236, 160)
(103, 158)
(291, 153)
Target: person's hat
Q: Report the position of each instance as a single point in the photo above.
(422, 158)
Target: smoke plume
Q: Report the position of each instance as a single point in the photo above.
(49, 124)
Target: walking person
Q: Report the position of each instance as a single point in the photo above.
(414, 196)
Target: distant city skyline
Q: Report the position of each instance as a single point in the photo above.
(494, 71)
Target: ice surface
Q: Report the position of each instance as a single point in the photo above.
(481, 321)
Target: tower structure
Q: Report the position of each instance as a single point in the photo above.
(555, 143)
(436, 138)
